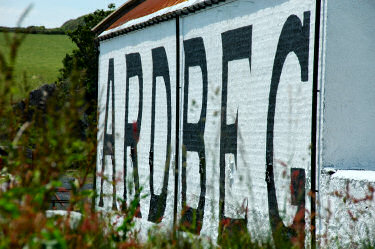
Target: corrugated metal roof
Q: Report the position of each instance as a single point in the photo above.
(143, 9)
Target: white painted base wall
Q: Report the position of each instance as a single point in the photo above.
(346, 207)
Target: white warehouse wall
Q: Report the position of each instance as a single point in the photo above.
(245, 115)
(148, 54)
(246, 83)
(249, 76)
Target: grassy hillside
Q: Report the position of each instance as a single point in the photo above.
(39, 57)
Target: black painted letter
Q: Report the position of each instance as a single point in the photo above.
(236, 46)
(132, 130)
(109, 139)
(293, 38)
(160, 68)
(193, 135)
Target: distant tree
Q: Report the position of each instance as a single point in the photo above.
(111, 6)
(73, 24)
(84, 59)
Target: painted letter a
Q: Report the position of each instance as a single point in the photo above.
(109, 139)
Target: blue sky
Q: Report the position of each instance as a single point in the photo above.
(49, 13)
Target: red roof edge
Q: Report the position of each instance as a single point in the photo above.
(117, 14)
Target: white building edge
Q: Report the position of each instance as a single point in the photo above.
(345, 167)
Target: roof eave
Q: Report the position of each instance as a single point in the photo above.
(167, 16)
(110, 19)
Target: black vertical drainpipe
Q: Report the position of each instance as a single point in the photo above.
(177, 146)
(97, 43)
(314, 123)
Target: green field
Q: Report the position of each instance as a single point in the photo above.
(39, 58)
